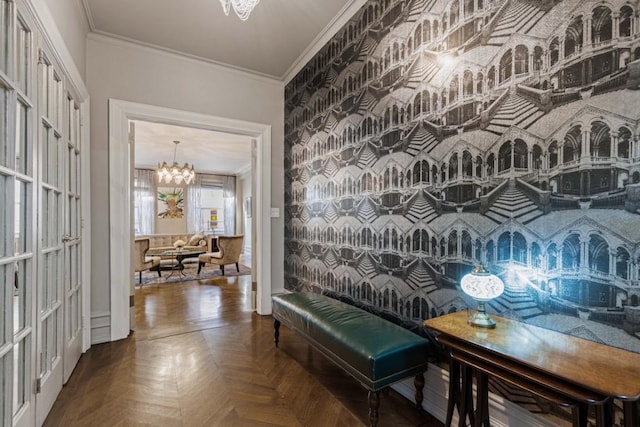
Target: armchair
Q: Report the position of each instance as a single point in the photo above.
(143, 262)
(229, 250)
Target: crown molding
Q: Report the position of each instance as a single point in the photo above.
(88, 14)
(113, 39)
(345, 14)
(245, 170)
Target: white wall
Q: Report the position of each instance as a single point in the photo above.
(73, 26)
(244, 183)
(120, 70)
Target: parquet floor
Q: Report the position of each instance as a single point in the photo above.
(201, 357)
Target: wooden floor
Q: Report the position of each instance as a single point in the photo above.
(201, 357)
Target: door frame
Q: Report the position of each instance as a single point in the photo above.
(120, 271)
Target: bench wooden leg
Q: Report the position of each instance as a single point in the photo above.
(200, 264)
(276, 331)
(418, 382)
(374, 404)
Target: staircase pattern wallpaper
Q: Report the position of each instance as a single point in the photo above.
(429, 135)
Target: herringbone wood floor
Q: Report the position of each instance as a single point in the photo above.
(201, 357)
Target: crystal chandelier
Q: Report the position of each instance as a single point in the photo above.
(242, 7)
(174, 173)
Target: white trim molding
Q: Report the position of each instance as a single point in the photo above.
(121, 275)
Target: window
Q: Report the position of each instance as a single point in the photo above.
(212, 210)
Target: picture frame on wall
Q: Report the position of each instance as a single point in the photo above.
(170, 203)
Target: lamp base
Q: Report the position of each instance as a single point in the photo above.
(482, 320)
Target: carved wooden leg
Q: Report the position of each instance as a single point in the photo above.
(465, 410)
(454, 390)
(482, 405)
(276, 331)
(222, 269)
(140, 281)
(237, 267)
(374, 404)
(418, 382)
(200, 264)
(631, 413)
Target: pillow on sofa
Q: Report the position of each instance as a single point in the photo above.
(193, 241)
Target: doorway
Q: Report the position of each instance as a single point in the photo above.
(120, 228)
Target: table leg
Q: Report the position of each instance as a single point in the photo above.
(179, 267)
(631, 413)
(482, 404)
(465, 411)
(454, 390)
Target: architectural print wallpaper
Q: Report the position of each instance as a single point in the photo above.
(430, 135)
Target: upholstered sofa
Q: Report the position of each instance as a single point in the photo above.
(159, 243)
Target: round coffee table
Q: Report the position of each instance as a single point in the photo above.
(179, 256)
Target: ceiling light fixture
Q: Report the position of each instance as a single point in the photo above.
(242, 7)
(174, 173)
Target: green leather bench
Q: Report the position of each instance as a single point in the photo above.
(374, 351)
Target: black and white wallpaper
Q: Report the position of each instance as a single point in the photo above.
(430, 135)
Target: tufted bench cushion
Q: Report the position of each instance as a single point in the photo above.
(374, 351)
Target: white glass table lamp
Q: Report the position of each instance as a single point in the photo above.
(482, 286)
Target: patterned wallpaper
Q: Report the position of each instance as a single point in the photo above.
(430, 135)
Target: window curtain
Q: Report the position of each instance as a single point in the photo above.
(229, 193)
(194, 206)
(145, 190)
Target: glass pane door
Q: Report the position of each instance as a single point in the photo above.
(51, 250)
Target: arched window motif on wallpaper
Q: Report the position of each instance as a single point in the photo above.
(600, 141)
(519, 248)
(538, 58)
(504, 157)
(504, 247)
(571, 252)
(601, 25)
(506, 66)
(420, 173)
(520, 154)
(521, 60)
(467, 84)
(420, 242)
(453, 17)
(479, 165)
(419, 309)
(467, 245)
(624, 142)
(453, 167)
(467, 164)
(452, 244)
(623, 263)
(536, 157)
(553, 154)
(626, 16)
(573, 37)
(572, 145)
(598, 254)
(552, 257)
(453, 90)
(536, 255)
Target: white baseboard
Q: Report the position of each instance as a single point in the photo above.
(502, 412)
(100, 327)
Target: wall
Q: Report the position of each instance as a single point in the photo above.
(73, 26)
(120, 70)
(244, 183)
(426, 137)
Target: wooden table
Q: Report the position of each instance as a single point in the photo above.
(569, 371)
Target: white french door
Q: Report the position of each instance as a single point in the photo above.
(40, 223)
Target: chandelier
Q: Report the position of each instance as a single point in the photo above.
(174, 173)
(242, 7)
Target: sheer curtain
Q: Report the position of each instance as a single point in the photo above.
(194, 206)
(229, 192)
(144, 201)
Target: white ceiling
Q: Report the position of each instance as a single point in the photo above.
(272, 43)
(207, 151)
(276, 34)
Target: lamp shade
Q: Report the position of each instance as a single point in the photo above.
(482, 286)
